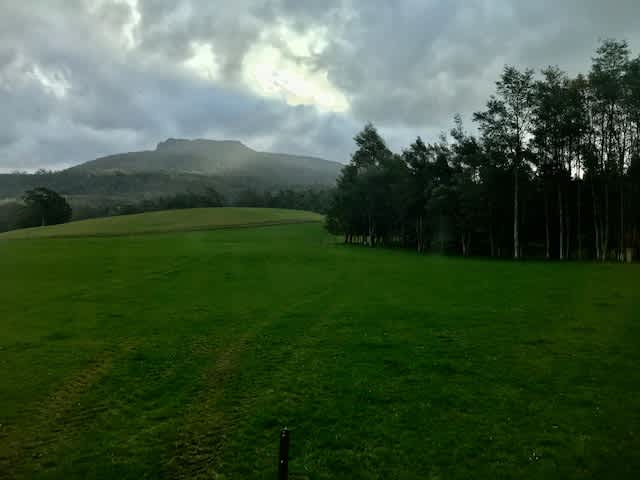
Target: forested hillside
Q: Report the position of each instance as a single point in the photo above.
(230, 159)
(178, 174)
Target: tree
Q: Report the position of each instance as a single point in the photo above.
(549, 142)
(505, 126)
(344, 215)
(369, 159)
(632, 106)
(559, 123)
(10, 215)
(576, 124)
(418, 159)
(542, 140)
(611, 127)
(45, 207)
(467, 193)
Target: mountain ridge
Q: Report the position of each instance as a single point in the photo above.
(216, 157)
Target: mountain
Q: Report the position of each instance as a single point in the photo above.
(226, 158)
(111, 185)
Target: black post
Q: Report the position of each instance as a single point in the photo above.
(283, 465)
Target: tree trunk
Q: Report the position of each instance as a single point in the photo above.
(596, 220)
(567, 222)
(579, 214)
(546, 225)
(466, 243)
(492, 246)
(561, 223)
(605, 247)
(622, 147)
(621, 243)
(516, 236)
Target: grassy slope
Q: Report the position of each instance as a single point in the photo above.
(181, 356)
(168, 221)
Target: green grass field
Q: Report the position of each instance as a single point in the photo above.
(168, 221)
(181, 355)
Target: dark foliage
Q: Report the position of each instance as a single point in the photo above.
(43, 207)
(554, 173)
(209, 198)
(313, 200)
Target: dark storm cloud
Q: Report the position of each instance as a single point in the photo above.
(82, 78)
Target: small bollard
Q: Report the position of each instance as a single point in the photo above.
(283, 464)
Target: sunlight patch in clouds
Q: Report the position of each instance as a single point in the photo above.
(203, 61)
(125, 33)
(129, 28)
(280, 66)
(52, 81)
(22, 72)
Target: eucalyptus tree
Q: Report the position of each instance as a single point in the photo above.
(611, 126)
(418, 159)
(506, 126)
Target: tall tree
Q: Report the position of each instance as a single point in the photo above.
(549, 141)
(576, 125)
(45, 207)
(606, 77)
(418, 159)
(541, 143)
(362, 196)
(466, 184)
(506, 125)
(632, 105)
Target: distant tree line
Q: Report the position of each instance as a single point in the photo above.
(209, 197)
(316, 200)
(42, 206)
(310, 199)
(31, 211)
(553, 173)
(116, 184)
(110, 186)
(38, 207)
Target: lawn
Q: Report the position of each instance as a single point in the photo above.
(181, 355)
(169, 221)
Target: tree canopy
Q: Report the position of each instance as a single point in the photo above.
(553, 171)
(45, 207)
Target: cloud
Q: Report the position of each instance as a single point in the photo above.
(83, 78)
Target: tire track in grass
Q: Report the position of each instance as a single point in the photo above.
(273, 361)
(56, 419)
(199, 444)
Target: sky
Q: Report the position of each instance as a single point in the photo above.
(81, 79)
